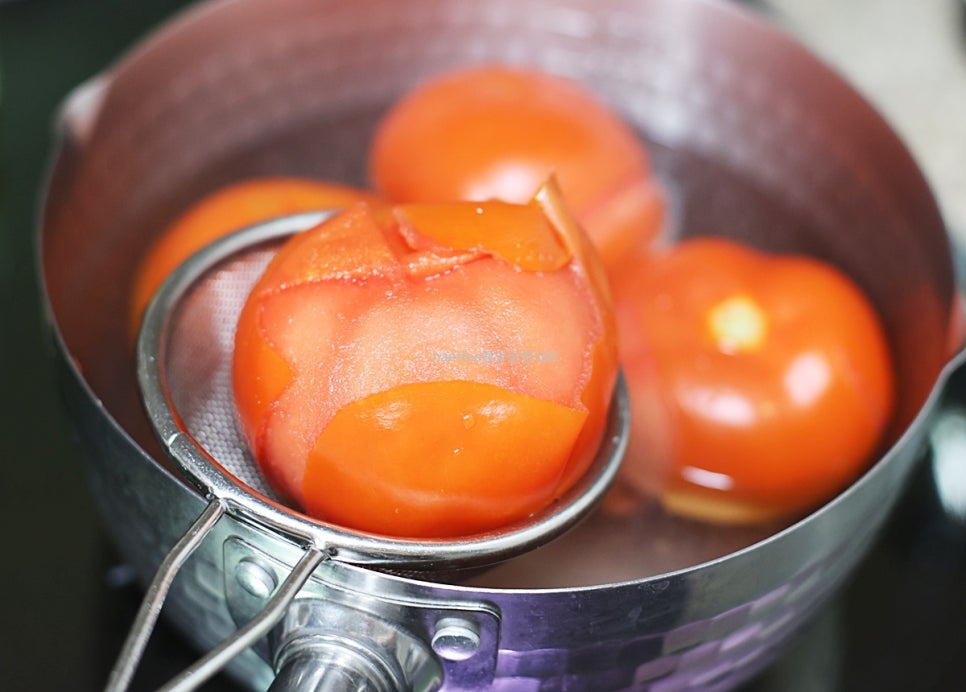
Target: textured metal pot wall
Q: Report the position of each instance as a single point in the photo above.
(715, 624)
(753, 138)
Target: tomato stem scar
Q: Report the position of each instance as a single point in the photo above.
(738, 324)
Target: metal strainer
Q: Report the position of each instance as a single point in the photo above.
(184, 355)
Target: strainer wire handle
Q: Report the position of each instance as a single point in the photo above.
(251, 632)
(241, 639)
(147, 616)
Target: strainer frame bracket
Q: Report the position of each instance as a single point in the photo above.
(463, 634)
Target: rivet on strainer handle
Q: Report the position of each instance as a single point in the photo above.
(160, 338)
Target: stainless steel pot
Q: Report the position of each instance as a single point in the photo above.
(753, 138)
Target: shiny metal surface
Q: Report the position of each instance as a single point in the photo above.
(254, 630)
(137, 639)
(754, 138)
(323, 643)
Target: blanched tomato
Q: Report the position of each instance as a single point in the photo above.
(760, 385)
(496, 132)
(428, 370)
(230, 209)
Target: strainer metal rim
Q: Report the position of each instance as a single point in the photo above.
(337, 542)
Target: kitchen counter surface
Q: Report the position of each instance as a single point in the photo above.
(909, 59)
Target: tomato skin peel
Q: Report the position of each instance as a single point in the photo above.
(760, 384)
(524, 438)
(428, 370)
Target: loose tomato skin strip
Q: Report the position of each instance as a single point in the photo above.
(520, 235)
(439, 459)
(353, 247)
(598, 388)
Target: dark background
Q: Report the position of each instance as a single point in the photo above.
(67, 600)
(64, 602)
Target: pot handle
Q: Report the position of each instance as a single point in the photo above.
(245, 636)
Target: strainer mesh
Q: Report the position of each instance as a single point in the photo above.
(197, 363)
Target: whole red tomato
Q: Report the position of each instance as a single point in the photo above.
(496, 132)
(229, 209)
(760, 384)
(428, 370)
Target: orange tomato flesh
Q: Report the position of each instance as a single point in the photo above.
(230, 209)
(423, 311)
(760, 385)
(497, 132)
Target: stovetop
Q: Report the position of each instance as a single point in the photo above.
(900, 624)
